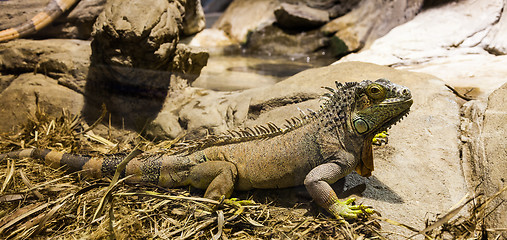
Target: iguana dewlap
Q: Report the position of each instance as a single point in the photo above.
(53, 10)
(316, 150)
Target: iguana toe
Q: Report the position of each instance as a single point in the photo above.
(345, 209)
(238, 204)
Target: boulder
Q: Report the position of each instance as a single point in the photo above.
(243, 17)
(448, 42)
(276, 27)
(417, 173)
(18, 100)
(273, 41)
(55, 70)
(66, 61)
(484, 127)
(137, 59)
(368, 21)
(494, 41)
(193, 20)
(215, 41)
(299, 16)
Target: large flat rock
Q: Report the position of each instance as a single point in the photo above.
(418, 174)
(484, 127)
(458, 42)
(18, 100)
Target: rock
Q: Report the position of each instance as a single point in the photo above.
(484, 127)
(408, 182)
(193, 20)
(273, 41)
(368, 21)
(215, 41)
(243, 16)
(61, 66)
(278, 27)
(298, 16)
(272, 27)
(494, 41)
(137, 59)
(338, 10)
(17, 101)
(64, 60)
(426, 45)
(168, 123)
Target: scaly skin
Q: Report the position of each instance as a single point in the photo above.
(53, 10)
(316, 151)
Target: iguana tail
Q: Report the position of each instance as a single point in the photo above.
(53, 10)
(164, 170)
(56, 159)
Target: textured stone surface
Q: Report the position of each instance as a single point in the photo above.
(61, 67)
(448, 42)
(276, 27)
(368, 21)
(495, 39)
(64, 60)
(484, 127)
(272, 40)
(137, 59)
(244, 16)
(193, 21)
(297, 16)
(17, 101)
(417, 173)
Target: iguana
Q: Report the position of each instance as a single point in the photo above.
(316, 150)
(53, 10)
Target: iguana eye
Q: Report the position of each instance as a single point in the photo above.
(376, 91)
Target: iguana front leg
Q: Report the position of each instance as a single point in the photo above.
(317, 183)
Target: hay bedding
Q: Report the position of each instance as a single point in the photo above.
(39, 202)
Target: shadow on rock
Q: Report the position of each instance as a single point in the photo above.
(370, 187)
(137, 60)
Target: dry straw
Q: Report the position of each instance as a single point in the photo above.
(39, 202)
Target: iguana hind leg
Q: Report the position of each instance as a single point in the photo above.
(217, 177)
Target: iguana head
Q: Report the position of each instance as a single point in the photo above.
(379, 105)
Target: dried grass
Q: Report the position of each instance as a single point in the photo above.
(39, 202)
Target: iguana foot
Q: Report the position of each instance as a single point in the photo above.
(238, 204)
(345, 210)
(380, 138)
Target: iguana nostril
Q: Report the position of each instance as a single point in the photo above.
(405, 92)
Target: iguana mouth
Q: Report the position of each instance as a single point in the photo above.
(393, 121)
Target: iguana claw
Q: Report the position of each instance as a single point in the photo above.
(238, 204)
(345, 209)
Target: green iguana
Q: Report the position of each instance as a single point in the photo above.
(53, 10)
(315, 150)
